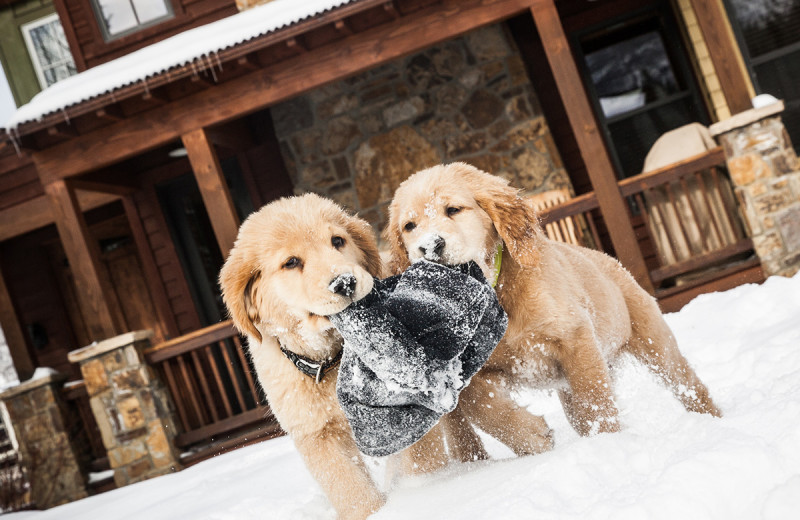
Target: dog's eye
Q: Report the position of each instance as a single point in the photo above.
(292, 262)
(452, 210)
(337, 241)
(409, 226)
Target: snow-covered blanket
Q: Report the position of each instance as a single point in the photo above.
(411, 346)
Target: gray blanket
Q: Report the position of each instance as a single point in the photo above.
(411, 346)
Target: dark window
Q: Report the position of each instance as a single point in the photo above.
(120, 17)
(769, 35)
(640, 83)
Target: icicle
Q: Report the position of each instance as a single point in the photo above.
(211, 68)
(64, 113)
(15, 139)
(219, 61)
(146, 87)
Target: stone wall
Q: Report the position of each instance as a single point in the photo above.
(468, 99)
(765, 171)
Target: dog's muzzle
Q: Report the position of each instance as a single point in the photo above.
(432, 248)
(343, 285)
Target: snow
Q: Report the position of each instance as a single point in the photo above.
(666, 463)
(196, 46)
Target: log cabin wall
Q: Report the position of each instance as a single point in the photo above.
(90, 48)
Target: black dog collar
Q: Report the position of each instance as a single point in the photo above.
(310, 367)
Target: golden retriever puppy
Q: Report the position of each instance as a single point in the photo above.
(296, 261)
(571, 310)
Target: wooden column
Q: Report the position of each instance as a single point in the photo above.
(15, 337)
(213, 188)
(724, 53)
(101, 309)
(590, 142)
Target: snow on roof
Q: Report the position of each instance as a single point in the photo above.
(179, 50)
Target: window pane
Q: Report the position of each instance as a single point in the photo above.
(630, 73)
(46, 42)
(149, 10)
(118, 15)
(633, 136)
(768, 25)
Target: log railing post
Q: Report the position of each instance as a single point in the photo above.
(590, 142)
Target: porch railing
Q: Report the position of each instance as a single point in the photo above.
(212, 384)
(685, 212)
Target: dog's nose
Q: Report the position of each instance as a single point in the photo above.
(343, 285)
(432, 247)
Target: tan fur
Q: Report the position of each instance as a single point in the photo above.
(275, 305)
(571, 310)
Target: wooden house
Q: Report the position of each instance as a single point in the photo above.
(122, 187)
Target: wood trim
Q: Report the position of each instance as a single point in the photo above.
(213, 188)
(724, 53)
(36, 213)
(258, 415)
(643, 181)
(271, 85)
(150, 268)
(15, 337)
(749, 271)
(590, 142)
(188, 342)
(102, 312)
(69, 31)
(703, 260)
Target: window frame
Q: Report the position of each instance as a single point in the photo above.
(678, 55)
(109, 38)
(26, 29)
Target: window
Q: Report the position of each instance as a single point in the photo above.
(120, 17)
(640, 83)
(769, 35)
(49, 50)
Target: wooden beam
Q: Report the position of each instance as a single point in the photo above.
(724, 53)
(270, 85)
(154, 283)
(590, 142)
(36, 213)
(15, 337)
(110, 113)
(101, 310)
(101, 187)
(213, 187)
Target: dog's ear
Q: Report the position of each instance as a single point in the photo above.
(399, 256)
(514, 219)
(364, 237)
(239, 292)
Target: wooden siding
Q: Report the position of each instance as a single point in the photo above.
(167, 262)
(90, 49)
(19, 181)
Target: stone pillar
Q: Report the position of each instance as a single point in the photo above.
(132, 407)
(47, 454)
(766, 175)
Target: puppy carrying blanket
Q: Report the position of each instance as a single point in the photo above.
(411, 346)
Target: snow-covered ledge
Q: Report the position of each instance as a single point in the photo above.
(107, 345)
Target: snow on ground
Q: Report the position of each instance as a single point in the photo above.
(665, 464)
